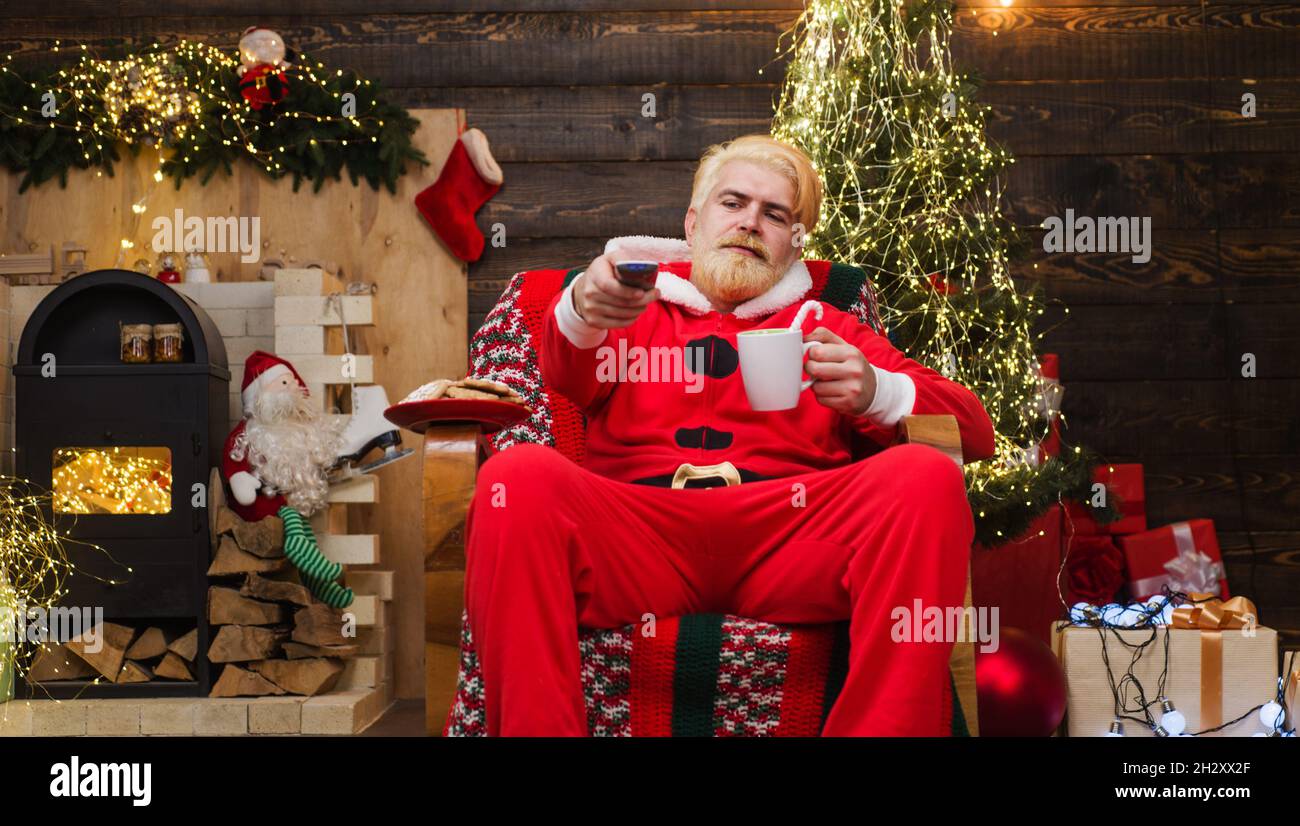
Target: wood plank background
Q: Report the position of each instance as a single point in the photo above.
(1112, 108)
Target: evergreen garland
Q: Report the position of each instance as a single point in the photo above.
(185, 99)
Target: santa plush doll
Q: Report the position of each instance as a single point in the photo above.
(274, 463)
(262, 56)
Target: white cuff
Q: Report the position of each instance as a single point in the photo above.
(575, 328)
(895, 397)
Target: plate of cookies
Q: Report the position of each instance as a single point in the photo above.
(469, 400)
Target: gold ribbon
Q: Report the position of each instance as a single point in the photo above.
(1212, 617)
(1214, 614)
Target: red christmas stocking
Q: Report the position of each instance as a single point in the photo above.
(468, 179)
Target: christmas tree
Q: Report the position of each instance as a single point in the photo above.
(912, 196)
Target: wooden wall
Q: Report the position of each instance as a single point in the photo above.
(1113, 108)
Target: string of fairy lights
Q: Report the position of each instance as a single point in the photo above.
(114, 481)
(911, 188)
(34, 570)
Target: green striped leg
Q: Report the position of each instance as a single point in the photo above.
(317, 571)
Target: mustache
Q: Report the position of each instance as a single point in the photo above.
(748, 243)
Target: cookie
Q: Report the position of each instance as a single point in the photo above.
(470, 393)
(487, 386)
(433, 390)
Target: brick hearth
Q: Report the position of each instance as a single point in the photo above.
(336, 713)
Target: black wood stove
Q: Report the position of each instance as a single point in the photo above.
(123, 447)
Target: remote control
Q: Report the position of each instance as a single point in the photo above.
(639, 274)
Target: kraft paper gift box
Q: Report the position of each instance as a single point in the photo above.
(1127, 485)
(1185, 556)
(1214, 676)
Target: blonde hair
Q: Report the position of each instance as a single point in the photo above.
(788, 161)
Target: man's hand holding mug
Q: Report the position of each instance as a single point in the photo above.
(842, 377)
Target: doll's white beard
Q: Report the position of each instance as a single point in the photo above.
(730, 277)
(290, 444)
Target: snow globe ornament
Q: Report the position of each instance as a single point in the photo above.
(168, 272)
(262, 58)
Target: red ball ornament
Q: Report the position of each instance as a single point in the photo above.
(1020, 687)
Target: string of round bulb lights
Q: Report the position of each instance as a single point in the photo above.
(186, 100)
(912, 196)
(1133, 702)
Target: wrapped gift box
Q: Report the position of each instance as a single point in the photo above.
(1291, 693)
(1214, 677)
(1019, 577)
(1185, 556)
(1126, 489)
(1049, 371)
(1051, 446)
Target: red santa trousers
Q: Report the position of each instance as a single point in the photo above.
(553, 546)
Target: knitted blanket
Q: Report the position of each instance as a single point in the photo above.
(696, 676)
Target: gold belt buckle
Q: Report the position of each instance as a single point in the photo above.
(723, 470)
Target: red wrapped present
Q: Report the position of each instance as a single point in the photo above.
(1019, 577)
(1049, 367)
(1051, 446)
(1185, 556)
(1049, 380)
(1125, 489)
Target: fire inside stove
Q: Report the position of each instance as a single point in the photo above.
(116, 480)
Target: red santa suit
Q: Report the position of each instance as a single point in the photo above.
(808, 536)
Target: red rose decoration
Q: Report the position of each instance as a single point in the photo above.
(1095, 569)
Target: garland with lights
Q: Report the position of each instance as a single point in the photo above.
(186, 101)
(912, 197)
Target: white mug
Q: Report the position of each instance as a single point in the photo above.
(771, 363)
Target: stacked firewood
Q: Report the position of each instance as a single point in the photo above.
(119, 654)
(269, 635)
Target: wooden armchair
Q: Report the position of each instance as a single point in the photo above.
(452, 454)
(505, 349)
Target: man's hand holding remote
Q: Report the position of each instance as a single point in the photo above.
(605, 302)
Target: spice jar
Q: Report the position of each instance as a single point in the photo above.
(167, 341)
(136, 342)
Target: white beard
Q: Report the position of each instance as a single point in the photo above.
(290, 444)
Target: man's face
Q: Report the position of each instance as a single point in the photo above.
(742, 240)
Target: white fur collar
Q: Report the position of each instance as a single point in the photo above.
(672, 288)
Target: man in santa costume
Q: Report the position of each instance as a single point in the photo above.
(274, 462)
(785, 527)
